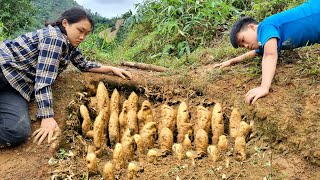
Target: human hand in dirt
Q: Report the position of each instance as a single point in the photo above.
(47, 128)
(223, 64)
(121, 73)
(254, 94)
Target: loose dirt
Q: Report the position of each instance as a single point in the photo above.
(284, 143)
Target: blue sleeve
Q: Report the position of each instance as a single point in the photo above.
(266, 32)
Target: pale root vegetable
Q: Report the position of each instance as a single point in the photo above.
(148, 133)
(234, 123)
(187, 145)
(91, 149)
(90, 134)
(244, 130)
(178, 151)
(182, 114)
(86, 124)
(114, 129)
(240, 148)
(133, 121)
(185, 128)
(193, 155)
(123, 118)
(114, 101)
(133, 100)
(201, 141)
(217, 123)
(118, 156)
(154, 154)
(166, 139)
(102, 97)
(140, 147)
(217, 131)
(92, 162)
(145, 114)
(167, 118)
(108, 171)
(133, 169)
(202, 121)
(127, 144)
(213, 153)
(223, 143)
(99, 130)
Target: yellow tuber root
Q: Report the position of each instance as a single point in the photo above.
(213, 153)
(133, 169)
(145, 114)
(86, 124)
(193, 155)
(243, 130)
(201, 141)
(123, 118)
(203, 118)
(140, 148)
(235, 120)
(113, 128)
(167, 118)
(114, 101)
(178, 151)
(99, 130)
(187, 145)
(91, 159)
(108, 172)
(166, 139)
(223, 143)
(148, 135)
(154, 154)
(217, 123)
(184, 128)
(127, 144)
(118, 156)
(240, 148)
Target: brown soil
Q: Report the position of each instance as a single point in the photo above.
(284, 143)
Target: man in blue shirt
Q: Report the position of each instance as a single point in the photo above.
(290, 29)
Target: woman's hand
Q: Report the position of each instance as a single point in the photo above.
(254, 94)
(47, 128)
(121, 73)
(223, 64)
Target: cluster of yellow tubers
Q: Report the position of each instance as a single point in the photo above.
(131, 132)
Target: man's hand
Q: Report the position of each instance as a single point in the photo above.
(121, 73)
(48, 127)
(223, 64)
(254, 94)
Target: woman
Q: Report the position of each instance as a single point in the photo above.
(29, 65)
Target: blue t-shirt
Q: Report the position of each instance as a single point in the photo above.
(293, 28)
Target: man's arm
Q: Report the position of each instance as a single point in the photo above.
(269, 63)
(243, 57)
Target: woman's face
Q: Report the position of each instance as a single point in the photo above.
(77, 32)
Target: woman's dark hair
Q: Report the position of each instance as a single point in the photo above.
(239, 25)
(72, 15)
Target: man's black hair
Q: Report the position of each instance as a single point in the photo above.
(238, 25)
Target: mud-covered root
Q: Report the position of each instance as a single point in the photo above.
(235, 119)
(148, 133)
(140, 146)
(184, 128)
(223, 144)
(217, 123)
(86, 124)
(99, 130)
(114, 129)
(56, 140)
(114, 101)
(154, 154)
(132, 113)
(92, 160)
(133, 169)
(203, 118)
(102, 96)
(118, 157)
(145, 114)
(123, 118)
(201, 141)
(187, 145)
(167, 118)
(193, 155)
(213, 153)
(240, 148)
(127, 144)
(108, 171)
(178, 151)
(166, 139)
(244, 130)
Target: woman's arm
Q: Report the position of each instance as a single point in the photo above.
(117, 71)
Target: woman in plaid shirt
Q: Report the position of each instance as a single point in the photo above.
(29, 65)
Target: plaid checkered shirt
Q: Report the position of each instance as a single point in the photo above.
(32, 61)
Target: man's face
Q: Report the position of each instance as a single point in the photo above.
(77, 32)
(248, 37)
